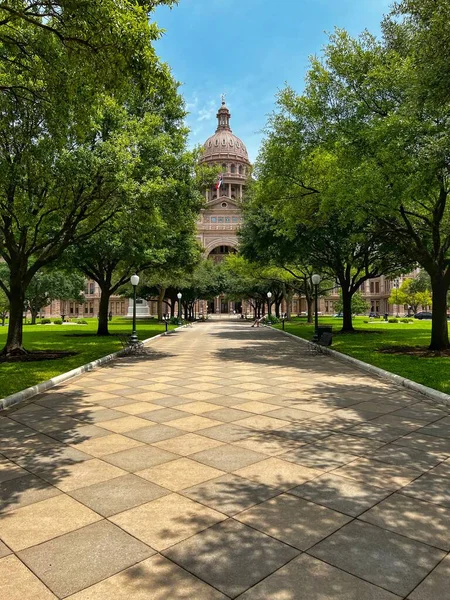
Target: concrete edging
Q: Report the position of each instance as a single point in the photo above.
(398, 379)
(34, 390)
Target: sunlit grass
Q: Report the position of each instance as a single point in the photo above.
(431, 371)
(18, 376)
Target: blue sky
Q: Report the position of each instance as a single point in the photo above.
(249, 49)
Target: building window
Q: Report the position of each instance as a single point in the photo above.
(92, 288)
(235, 220)
(220, 219)
(227, 220)
(224, 205)
(224, 168)
(213, 219)
(91, 308)
(240, 170)
(233, 168)
(86, 308)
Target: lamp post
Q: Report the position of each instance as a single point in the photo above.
(134, 282)
(179, 296)
(396, 285)
(269, 306)
(166, 321)
(316, 280)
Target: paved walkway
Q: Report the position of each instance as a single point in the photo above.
(227, 463)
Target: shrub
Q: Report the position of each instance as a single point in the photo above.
(81, 321)
(45, 321)
(405, 320)
(57, 321)
(273, 320)
(393, 320)
(176, 320)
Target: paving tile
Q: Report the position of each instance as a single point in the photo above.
(9, 470)
(154, 433)
(23, 491)
(412, 518)
(137, 459)
(167, 520)
(384, 433)
(43, 521)
(117, 495)
(293, 520)
(401, 455)
(439, 428)
(319, 458)
(129, 423)
(227, 415)
(341, 494)
(432, 488)
(373, 472)
(270, 444)
(4, 550)
(308, 578)
(303, 433)
(81, 558)
(153, 579)
(109, 444)
(231, 556)
(230, 494)
(187, 444)
(136, 408)
(278, 473)
(14, 445)
(88, 472)
(179, 474)
(79, 434)
(387, 559)
(163, 415)
(428, 443)
(18, 583)
(256, 407)
(291, 414)
(342, 442)
(97, 416)
(228, 433)
(194, 423)
(228, 457)
(198, 408)
(435, 586)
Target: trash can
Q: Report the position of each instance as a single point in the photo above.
(320, 331)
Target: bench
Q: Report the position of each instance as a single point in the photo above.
(321, 346)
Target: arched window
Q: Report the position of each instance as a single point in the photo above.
(224, 168)
(233, 168)
(241, 170)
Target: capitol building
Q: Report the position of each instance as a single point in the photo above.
(217, 228)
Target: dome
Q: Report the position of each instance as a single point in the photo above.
(224, 144)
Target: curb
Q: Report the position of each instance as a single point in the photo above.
(397, 379)
(34, 390)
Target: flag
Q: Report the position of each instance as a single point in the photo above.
(219, 182)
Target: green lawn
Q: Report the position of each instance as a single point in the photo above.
(17, 376)
(431, 371)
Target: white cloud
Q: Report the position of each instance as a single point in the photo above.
(208, 112)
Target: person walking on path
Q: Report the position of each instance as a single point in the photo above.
(258, 321)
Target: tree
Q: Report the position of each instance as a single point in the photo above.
(49, 285)
(359, 304)
(370, 102)
(289, 225)
(66, 161)
(4, 306)
(412, 292)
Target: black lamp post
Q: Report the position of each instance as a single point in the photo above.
(134, 282)
(166, 321)
(269, 306)
(316, 280)
(179, 296)
(396, 285)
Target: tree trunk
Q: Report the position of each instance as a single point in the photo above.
(439, 326)
(277, 308)
(162, 292)
(102, 328)
(309, 304)
(347, 321)
(34, 314)
(15, 328)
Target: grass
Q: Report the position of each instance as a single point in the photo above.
(433, 372)
(18, 376)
